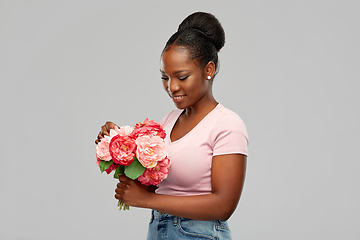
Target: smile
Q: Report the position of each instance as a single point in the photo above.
(178, 97)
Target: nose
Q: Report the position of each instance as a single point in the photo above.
(173, 86)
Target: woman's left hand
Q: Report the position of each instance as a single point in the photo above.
(131, 192)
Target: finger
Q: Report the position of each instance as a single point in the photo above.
(122, 185)
(104, 131)
(100, 136)
(118, 197)
(119, 190)
(125, 179)
(109, 125)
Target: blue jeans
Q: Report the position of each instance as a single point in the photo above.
(163, 226)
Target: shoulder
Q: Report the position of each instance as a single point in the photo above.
(228, 119)
(229, 134)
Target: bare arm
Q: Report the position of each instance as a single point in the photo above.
(227, 179)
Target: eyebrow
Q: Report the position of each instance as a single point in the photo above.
(176, 72)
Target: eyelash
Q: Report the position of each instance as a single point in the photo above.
(181, 79)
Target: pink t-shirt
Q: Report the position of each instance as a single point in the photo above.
(220, 132)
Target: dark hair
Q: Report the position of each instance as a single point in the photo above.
(203, 35)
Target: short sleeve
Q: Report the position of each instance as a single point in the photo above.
(230, 136)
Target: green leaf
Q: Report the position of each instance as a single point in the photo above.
(134, 170)
(119, 171)
(104, 165)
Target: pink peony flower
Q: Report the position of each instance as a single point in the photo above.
(122, 131)
(150, 128)
(153, 176)
(122, 150)
(150, 150)
(115, 131)
(125, 130)
(102, 149)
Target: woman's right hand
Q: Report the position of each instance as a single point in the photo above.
(105, 131)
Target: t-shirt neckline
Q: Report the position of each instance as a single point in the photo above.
(193, 129)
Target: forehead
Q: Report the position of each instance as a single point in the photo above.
(176, 58)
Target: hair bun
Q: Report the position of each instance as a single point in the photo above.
(208, 24)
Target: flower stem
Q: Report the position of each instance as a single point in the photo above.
(121, 206)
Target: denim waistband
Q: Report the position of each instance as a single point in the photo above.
(199, 227)
(160, 215)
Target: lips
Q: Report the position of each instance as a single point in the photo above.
(178, 98)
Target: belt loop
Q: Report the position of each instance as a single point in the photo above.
(175, 219)
(152, 216)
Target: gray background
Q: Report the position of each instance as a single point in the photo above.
(290, 69)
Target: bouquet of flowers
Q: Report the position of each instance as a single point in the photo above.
(137, 153)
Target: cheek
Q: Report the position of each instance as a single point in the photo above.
(197, 86)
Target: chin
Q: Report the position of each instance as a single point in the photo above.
(179, 106)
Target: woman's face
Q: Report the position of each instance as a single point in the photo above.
(183, 79)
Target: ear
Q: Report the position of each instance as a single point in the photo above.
(209, 70)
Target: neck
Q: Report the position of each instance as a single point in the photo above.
(202, 107)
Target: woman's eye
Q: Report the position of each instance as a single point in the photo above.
(183, 78)
(164, 78)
